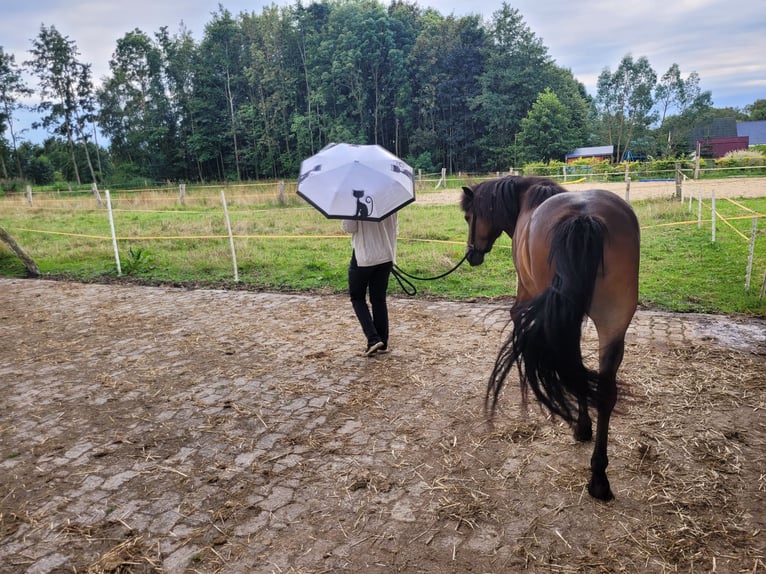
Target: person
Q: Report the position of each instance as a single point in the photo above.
(373, 256)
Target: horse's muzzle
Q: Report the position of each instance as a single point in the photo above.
(474, 256)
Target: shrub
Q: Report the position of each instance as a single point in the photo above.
(742, 158)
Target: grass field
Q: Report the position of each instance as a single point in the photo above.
(289, 246)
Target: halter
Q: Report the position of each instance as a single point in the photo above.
(471, 248)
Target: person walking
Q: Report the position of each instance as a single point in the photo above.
(372, 258)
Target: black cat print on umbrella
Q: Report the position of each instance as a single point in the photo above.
(348, 181)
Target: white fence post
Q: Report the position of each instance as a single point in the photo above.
(231, 237)
(750, 255)
(182, 193)
(712, 216)
(114, 235)
(443, 179)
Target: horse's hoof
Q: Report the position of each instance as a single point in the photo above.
(583, 433)
(600, 490)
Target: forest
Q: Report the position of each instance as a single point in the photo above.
(260, 92)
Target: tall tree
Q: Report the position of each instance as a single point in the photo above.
(273, 72)
(446, 61)
(13, 89)
(547, 132)
(66, 90)
(404, 22)
(625, 100)
(309, 117)
(757, 110)
(514, 76)
(220, 88)
(673, 93)
(135, 111)
(179, 54)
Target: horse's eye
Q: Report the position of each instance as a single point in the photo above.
(466, 218)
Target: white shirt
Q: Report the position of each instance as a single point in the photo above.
(374, 242)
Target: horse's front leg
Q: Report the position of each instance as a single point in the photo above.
(610, 359)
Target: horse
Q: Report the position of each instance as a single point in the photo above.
(575, 254)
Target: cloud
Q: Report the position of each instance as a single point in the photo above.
(724, 44)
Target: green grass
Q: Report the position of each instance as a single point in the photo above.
(294, 248)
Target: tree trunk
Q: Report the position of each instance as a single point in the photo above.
(230, 98)
(32, 269)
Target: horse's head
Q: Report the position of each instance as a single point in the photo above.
(482, 231)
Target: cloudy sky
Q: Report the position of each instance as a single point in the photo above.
(724, 42)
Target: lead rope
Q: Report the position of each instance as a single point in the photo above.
(408, 287)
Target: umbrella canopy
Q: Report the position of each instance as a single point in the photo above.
(365, 182)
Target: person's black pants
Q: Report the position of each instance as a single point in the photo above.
(375, 280)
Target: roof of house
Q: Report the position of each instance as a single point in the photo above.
(756, 131)
(718, 128)
(591, 151)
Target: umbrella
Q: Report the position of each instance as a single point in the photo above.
(346, 181)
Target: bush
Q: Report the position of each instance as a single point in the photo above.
(551, 169)
(741, 158)
(12, 185)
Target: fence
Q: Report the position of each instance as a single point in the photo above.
(203, 203)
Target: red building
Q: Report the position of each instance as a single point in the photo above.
(719, 147)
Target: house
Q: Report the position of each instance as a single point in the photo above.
(603, 152)
(723, 135)
(718, 147)
(755, 131)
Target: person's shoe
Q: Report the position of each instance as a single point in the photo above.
(373, 348)
(384, 349)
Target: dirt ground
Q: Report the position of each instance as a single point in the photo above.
(148, 429)
(637, 190)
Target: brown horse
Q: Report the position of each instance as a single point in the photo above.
(575, 254)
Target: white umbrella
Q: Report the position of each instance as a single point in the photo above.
(347, 181)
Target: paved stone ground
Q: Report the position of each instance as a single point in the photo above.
(164, 430)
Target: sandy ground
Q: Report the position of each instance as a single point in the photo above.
(152, 429)
(734, 187)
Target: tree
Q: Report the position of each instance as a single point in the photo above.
(757, 110)
(135, 111)
(220, 88)
(12, 89)
(66, 91)
(624, 100)
(515, 73)
(677, 129)
(674, 93)
(547, 132)
(273, 72)
(6, 238)
(446, 61)
(179, 56)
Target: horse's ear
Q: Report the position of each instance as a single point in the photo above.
(468, 192)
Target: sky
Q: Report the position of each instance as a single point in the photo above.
(724, 42)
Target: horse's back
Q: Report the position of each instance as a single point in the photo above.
(616, 290)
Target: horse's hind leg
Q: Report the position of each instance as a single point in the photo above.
(610, 358)
(583, 429)
(578, 376)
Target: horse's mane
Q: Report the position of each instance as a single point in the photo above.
(538, 189)
(499, 199)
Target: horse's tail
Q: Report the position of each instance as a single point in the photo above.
(545, 342)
